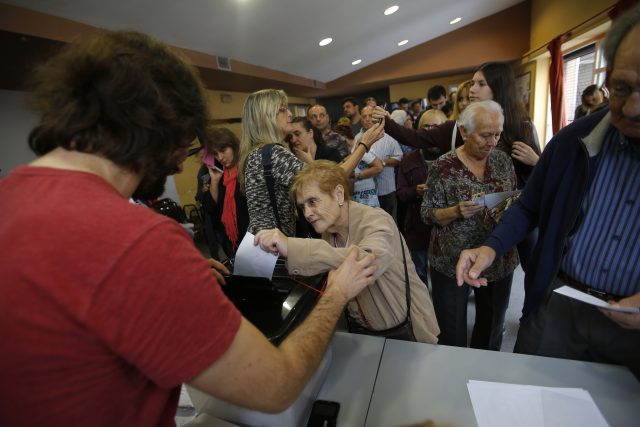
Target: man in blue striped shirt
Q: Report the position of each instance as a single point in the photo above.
(584, 195)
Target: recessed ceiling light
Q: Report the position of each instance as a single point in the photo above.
(455, 21)
(356, 62)
(392, 9)
(403, 42)
(326, 41)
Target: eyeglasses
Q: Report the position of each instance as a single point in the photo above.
(283, 109)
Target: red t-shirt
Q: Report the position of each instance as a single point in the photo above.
(105, 306)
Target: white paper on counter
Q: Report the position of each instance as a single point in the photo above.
(493, 199)
(502, 405)
(590, 299)
(252, 261)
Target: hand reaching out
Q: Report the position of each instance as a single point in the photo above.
(373, 134)
(380, 114)
(272, 240)
(472, 263)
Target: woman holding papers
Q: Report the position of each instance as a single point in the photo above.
(456, 182)
(397, 305)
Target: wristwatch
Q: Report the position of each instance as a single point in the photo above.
(384, 164)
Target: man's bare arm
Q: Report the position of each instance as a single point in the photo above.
(280, 373)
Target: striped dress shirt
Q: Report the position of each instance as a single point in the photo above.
(604, 253)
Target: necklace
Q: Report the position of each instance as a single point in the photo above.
(335, 241)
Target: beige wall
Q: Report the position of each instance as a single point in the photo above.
(418, 89)
(550, 18)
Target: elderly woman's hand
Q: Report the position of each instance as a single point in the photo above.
(524, 153)
(272, 240)
(463, 210)
(373, 134)
(469, 208)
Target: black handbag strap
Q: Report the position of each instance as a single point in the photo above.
(268, 178)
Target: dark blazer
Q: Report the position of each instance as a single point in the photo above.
(551, 201)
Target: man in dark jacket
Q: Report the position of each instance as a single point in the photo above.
(584, 195)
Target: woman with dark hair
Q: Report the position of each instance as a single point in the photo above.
(228, 216)
(307, 142)
(495, 81)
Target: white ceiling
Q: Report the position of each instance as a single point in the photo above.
(281, 34)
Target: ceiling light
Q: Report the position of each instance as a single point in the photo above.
(356, 62)
(392, 9)
(326, 41)
(455, 21)
(403, 42)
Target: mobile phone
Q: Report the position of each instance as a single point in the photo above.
(217, 165)
(324, 414)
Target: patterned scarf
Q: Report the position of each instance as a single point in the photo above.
(229, 218)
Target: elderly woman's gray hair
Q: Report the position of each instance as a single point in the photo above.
(468, 116)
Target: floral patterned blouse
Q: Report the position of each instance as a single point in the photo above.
(449, 182)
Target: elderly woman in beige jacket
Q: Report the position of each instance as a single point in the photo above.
(322, 191)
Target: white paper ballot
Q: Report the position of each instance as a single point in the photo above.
(590, 299)
(501, 405)
(493, 199)
(252, 261)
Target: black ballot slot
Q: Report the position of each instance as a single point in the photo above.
(274, 306)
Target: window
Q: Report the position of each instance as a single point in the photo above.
(579, 72)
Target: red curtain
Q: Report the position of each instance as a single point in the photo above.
(558, 118)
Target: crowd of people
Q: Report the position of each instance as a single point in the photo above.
(112, 304)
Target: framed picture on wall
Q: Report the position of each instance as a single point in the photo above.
(525, 82)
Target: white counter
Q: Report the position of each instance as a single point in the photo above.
(417, 382)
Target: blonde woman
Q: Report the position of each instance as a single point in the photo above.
(431, 118)
(265, 123)
(461, 99)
